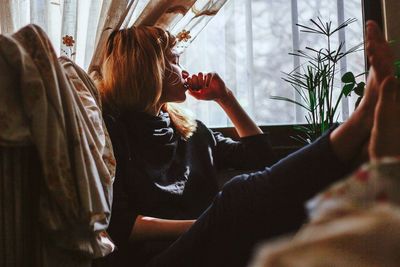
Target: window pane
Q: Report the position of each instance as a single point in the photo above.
(248, 43)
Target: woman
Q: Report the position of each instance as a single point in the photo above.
(250, 207)
(167, 162)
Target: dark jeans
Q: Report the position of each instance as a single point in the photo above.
(256, 207)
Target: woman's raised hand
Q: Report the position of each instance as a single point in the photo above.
(208, 86)
(211, 87)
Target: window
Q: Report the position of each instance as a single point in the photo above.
(248, 43)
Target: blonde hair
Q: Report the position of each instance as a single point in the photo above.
(132, 74)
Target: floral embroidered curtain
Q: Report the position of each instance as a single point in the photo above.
(183, 18)
(79, 29)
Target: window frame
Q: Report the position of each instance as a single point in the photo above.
(281, 135)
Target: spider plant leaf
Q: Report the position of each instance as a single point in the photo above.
(308, 29)
(301, 139)
(310, 122)
(302, 95)
(337, 117)
(328, 27)
(311, 31)
(313, 102)
(356, 48)
(320, 25)
(324, 126)
(314, 81)
(314, 50)
(308, 131)
(361, 74)
(290, 101)
(302, 54)
(397, 68)
(302, 128)
(294, 81)
(344, 24)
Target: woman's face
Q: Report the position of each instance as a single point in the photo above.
(174, 89)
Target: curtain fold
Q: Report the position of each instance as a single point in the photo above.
(39, 13)
(6, 17)
(165, 14)
(88, 24)
(56, 108)
(69, 26)
(94, 19)
(115, 16)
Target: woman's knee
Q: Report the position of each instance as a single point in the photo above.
(236, 192)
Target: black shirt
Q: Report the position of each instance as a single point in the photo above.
(159, 174)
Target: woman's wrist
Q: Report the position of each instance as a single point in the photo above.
(227, 99)
(244, 125)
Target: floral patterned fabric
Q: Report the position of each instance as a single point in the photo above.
(355, 222)
(373, 183)
(56, 108)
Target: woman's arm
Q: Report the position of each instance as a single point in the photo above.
(212, 87)
(149, 228)
(244, 125)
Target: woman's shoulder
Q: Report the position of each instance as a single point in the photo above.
(202, 129)
(202, 133)
(201, 125)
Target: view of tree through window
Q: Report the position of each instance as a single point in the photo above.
(248, 44)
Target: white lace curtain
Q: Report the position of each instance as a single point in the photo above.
(88, 22)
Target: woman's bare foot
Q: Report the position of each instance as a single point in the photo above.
(385, 136)
(381, 59)
(350, 140)
(379, 53)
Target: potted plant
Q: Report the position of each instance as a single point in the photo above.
(314, 81)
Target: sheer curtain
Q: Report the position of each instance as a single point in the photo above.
(89, 22)
(58, 18)
(248, 43)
